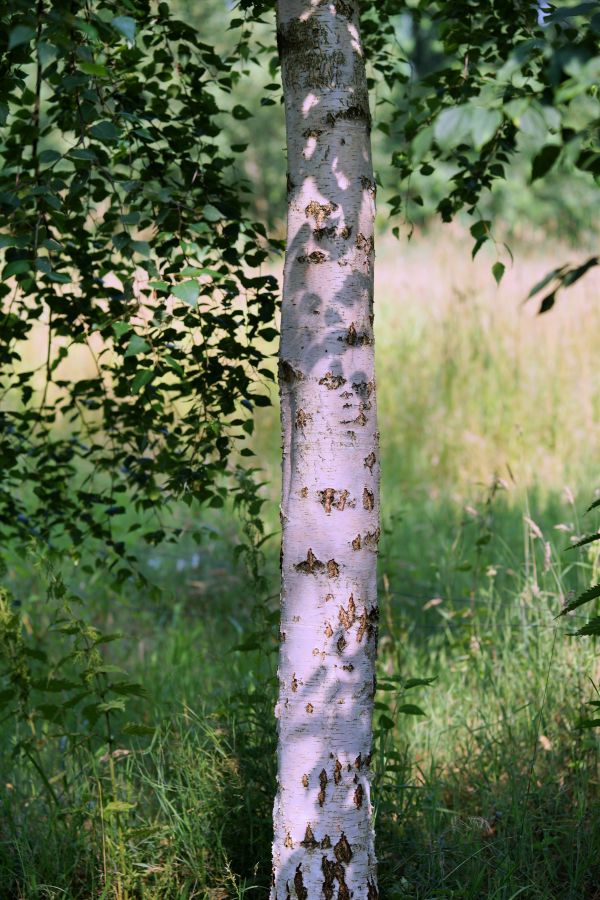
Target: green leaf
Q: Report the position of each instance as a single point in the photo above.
(588, 723)
(544, 161)
(22, 34)
(126, 26)
(591, 594)
(121, 328)
(49, 156)
(409, 709)
(137, 729)
(498, 270)
(591, 627)
(136, 345)
(586, 540)
(16, 267)
(105, 131)
(240, 112)
(142, 378)
(95, 69)
(418, 682)
(547, 303)
(385, 722)
(484, 125)
(188, 291)
(118, 806)
(452, 127)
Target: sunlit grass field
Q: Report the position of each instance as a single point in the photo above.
(490, 437)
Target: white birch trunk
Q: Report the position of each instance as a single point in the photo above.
(323, 845)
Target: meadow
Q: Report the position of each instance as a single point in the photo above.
(484, 784)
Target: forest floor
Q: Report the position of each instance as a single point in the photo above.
(490, 428)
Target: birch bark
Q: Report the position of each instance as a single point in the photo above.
(323, 844)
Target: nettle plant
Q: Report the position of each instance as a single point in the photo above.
(134, 315)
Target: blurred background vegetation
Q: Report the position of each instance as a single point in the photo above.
(489, 420)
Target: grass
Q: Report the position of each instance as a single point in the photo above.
(489, 421)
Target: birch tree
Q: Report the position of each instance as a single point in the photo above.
(323, 845)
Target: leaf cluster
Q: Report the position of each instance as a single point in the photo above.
(134, 317)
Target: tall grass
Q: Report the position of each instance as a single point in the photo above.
(488, 419)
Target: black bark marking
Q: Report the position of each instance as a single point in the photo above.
(309, 839)
(365, 243)
(311, 133)
(302, 418)
(294, 684)
(328, 867)
(348, 616)
(305, 781)
(328, 231)
(316, 257)
(354, 113)
(309, 708)
(368, 500)
(341, 502)
(326, 842)
(358, 761)
(341, 643)
(333, 569)
(288, 841)
(371, 539)
(337, 772)
(372, 892)
(348, 668)
(301, 891)
(323, 785)
(361, 418)
(328, 630)
(356, 544)
(343, 850)
(364, 389)
(311, 565)
(326, 498)
(356, 339)
(288, 373)
(329, 597)
(363, 626)
(370, 461)
(331, 381)
(359, 796)
(319, 211)
(368, 185)
(344, 7)
(304, 493)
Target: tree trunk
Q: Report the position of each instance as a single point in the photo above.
(323, 846)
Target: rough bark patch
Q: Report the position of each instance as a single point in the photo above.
(343, 850)
(301, 891)
(348, 616)
(319, 211)
(309, 839)
(311, 565)
(331, 381)
(323, 785)
(316, 257)
(370, 461)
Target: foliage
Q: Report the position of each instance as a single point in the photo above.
(474, 85)
(126, 273)
(460, 810)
